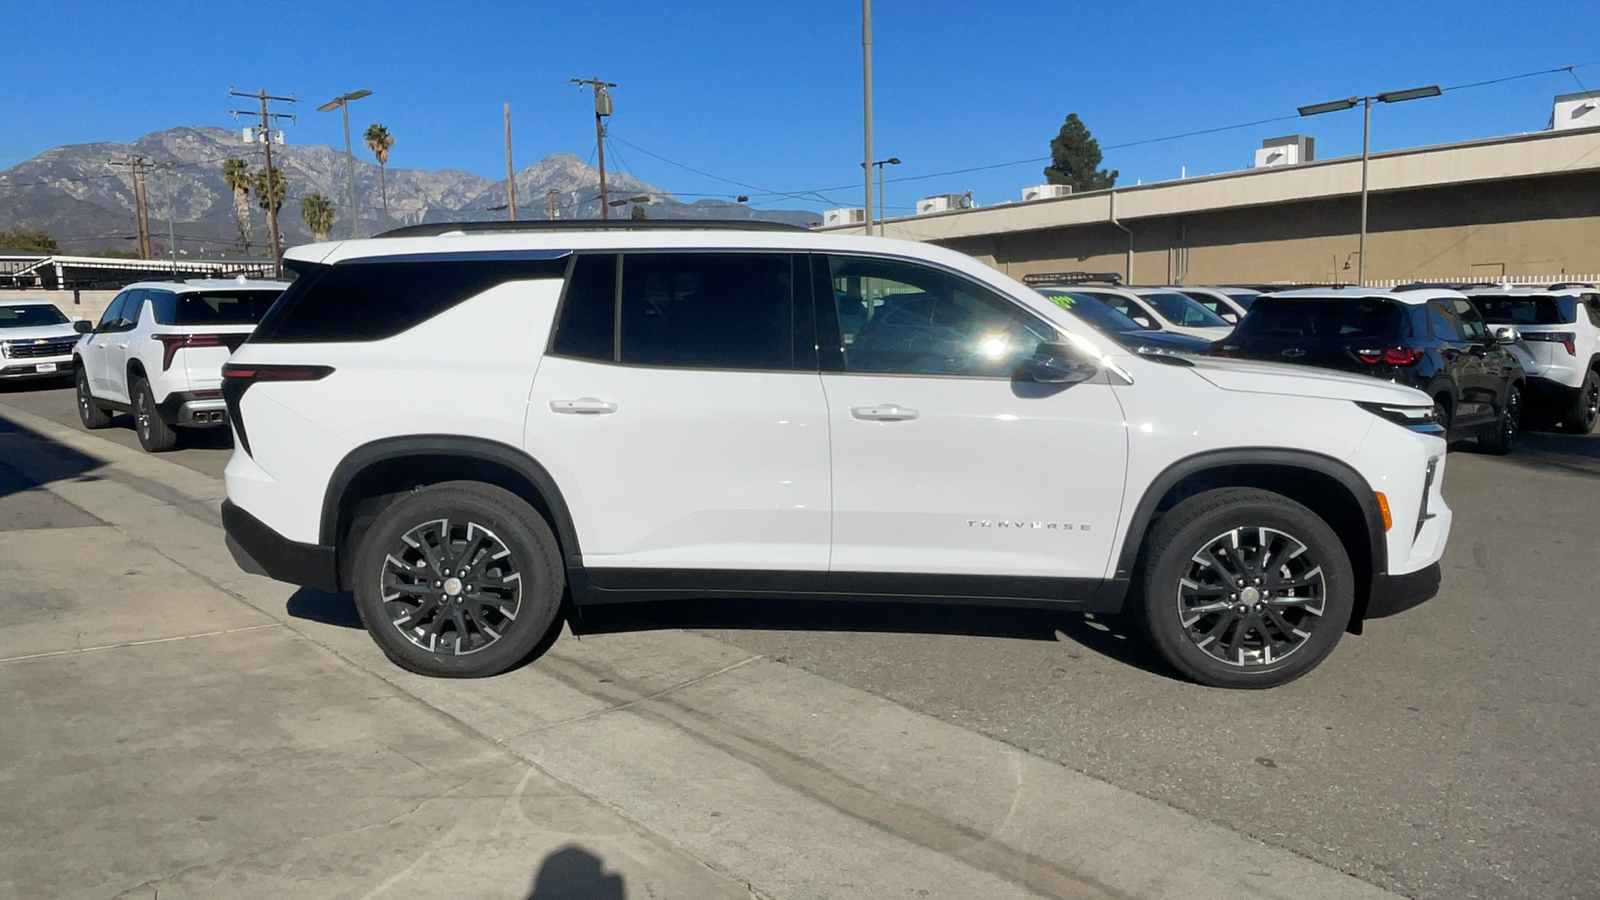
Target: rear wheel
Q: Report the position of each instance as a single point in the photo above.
(91, 414)
(155, 435)
(1580, 417)
(458, 580)
(1508, 427)
(1245, 588)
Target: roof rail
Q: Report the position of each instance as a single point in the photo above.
(1058, 278)
(434, 229)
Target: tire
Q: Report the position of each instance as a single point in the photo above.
(399, 558)
(91, 414)
(1579, 418)
(1441, 415)
(1275, 640)
(155, 435)
(1507, 428)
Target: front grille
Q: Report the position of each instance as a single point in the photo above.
(40, 349)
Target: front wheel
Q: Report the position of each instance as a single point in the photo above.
(1508, 427)
(90, 413)
(458, 580)
(1245, 588)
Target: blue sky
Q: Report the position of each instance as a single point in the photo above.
(769, 93)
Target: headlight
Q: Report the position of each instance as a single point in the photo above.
(5, 350)
(1417, 418)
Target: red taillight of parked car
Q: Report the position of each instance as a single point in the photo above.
(1566, 339)
(172, 343)
(1390, 356)
(1229, 350)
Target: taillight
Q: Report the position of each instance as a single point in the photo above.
(1567, 339)
(1390, 356)
(1229, 350)
(238, 377)
(172, 343)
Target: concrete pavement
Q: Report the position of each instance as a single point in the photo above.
(688, 765)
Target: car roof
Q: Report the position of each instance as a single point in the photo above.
(1410, 298)
(27, 301)
(1526, 291)
(209, 284)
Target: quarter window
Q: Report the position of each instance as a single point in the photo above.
(708, 310)
(901, 318)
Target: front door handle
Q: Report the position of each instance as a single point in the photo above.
(888, 412)
(583, 406)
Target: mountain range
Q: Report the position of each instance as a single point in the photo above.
(87, 204)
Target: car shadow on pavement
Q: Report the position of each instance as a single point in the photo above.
(45, 460)
(1575, 453)
(320, 606)
(573, 873)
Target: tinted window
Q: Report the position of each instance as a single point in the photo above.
(29, 316)
(1094, 312)
(1442, 323)
(1537, 310)
(1214, 304)
(1296, 318)
(113, 311)
(1122, 304)
(1591, 302)
(708, 310)
(1184, 311)
(133, 309)
(586, 327)
(904, 318)
(369, 301)
(1471, 321)
(211, 307)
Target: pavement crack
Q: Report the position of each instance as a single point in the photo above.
(125, 644)
(637, 700)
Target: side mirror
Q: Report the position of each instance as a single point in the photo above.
(1505, 334)
(1057, 364)
(83, 327)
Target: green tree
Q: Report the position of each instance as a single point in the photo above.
(638, 212)
(28, 240)
(317, 210)
(270, 197)
(118, 253)
(1075, 159)
(236, 175)
(379, 140)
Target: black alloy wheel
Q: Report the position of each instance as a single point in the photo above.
(1585, 409)
(458, 580)
(91, 414)
(1244, 588)
(1508, 427)
(155, 435)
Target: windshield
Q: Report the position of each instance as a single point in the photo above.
(219, 308)
(1243, 298)
(1277, 317)
(1184, 311)
(1091, 310)
(30, 316)
(1535, 310)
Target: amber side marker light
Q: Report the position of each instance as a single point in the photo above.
(1383, 507)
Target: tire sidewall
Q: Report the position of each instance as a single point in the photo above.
(89, 412)
(533, 548)
(1160, 610)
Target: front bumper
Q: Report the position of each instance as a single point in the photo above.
(261, 551)
(50, 367)
(1392, 594)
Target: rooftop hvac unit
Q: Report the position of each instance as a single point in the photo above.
(1576, 111)
(832, 218)
(1046, 192)
(944, 203)
(1286, 151)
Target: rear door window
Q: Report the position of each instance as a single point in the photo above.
(708, 310)
(1471, 321)
(586, 326)
(1442, 322)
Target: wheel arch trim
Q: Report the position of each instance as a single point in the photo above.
(367, 455)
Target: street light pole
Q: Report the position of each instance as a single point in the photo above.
(879, 164)
(1432, 90)
(866, 105)
(343, 103)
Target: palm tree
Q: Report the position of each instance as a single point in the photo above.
(278, 188)
(236, 175)
(318, 213)
(379, 140)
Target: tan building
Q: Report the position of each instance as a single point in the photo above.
(1522, 206)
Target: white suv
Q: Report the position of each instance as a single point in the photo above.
(158, 353)
(1559, 331)
(464, 423)
(36, 340)
(1165, 309)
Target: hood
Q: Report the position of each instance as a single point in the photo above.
(35, 332)
(1303, 381)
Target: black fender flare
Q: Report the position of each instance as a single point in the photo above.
(1145, 510)
(483, 449)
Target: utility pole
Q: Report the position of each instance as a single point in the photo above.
(138, 165)
(602, 108)
(866, 106)
(511, 174)
(172, 235)
(550, 195)
(265, 138)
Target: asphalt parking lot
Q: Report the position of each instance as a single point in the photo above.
(1446, 753)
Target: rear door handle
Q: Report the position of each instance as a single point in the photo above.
(583, 406)
(888, 412)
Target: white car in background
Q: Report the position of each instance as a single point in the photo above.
(36, 340)
(1229, 303)
(1559, 346)
(1163, 308)
(158, 353)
